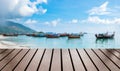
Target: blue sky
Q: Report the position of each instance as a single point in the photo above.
(65, 15)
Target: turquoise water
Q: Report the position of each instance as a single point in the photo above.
(86, 41)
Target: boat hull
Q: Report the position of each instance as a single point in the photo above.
(104, 37)
(10, 34)
(52, 36)
(73, 36)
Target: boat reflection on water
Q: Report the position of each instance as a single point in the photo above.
(74, 41)
(104, 41)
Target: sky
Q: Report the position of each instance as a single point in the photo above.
(92, 16)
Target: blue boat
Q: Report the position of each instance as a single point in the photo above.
(39, 35)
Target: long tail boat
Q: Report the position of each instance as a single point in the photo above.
(10, 34)
(104, 36)
(64, 34)
(74, 36)
(52, 36)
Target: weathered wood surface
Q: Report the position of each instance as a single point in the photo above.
(59, 60)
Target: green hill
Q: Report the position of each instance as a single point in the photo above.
(12, 27)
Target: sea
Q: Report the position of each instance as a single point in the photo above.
(87, 41)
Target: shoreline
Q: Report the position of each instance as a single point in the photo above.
(8, 44)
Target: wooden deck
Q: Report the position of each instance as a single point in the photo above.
(59, 59)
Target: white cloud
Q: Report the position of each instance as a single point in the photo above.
(29, 21)
(103, 15)
(53, 22)
(101, 10)
(20, 8)
(42, 1)
(47, 23)
(42, 10)
(97, 20)
(74, 21)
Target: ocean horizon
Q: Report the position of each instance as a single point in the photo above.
(87, 41)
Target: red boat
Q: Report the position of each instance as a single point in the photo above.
(52, 36)
(10, 34)
(64, 35)
(30, 34)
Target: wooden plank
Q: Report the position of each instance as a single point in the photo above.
(22, 65)
(52, 60)
(88, 63)
(118, 50)
(12, 64)
(5, 54)
(56, 62)
(67, 66)
(100, 65)
(7, 59)
(106, 61)
(46, 61)
(2, 50)
(114, 59)
(35, 62)
(115, 53)
(76, 61)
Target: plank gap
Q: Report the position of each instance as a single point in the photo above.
(109, 59)
(41, 59)
(91, 60)
(81, 59)
(71, 60)
(31, 60)
(11, 59)
(3, 51)
(7, 54)
(51, 60)
(101, 59)
(61, 60)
